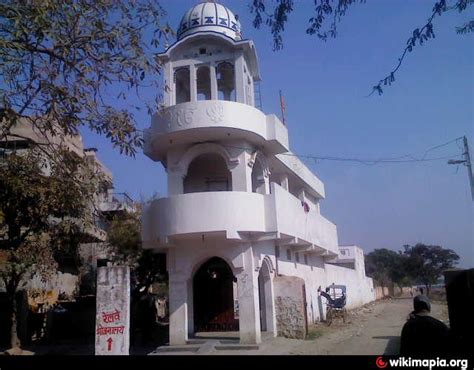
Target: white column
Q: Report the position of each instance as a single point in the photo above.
(247, 286)
(242, 174)
(213, 82)
(175, 181)
(170, 88)
(239, 78)
(178, 297)
(192, 82)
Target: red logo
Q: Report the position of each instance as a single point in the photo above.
(381, 364)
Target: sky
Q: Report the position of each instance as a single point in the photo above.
(325, 85)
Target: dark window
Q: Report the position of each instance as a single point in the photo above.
(226, 81)
(203, 78)
(183, 91)
(288, 254)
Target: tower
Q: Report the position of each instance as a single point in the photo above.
(241, 209)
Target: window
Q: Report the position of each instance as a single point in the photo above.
(225, 81)
(203, 83)
(181, 80)
(305, 259)
(297, 257)
(288, 254)
(202, 51)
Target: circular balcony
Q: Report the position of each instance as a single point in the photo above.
(213, 120)
(186, 215)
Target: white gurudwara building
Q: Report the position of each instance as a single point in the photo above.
(246, 244)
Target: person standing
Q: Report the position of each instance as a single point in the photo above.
(423, 335)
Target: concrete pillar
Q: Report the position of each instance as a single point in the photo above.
(239, 78)
(178, 297)
(213, 82)
(242, 174)
(175, 181)
(170, 90)
(192, 82)
(247, 283)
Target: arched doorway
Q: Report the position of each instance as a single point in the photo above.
(213, 296)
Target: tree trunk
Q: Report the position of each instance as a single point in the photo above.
(11, 285)
(14, 339)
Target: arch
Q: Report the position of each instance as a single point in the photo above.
(182, 85)
(266, 297)
(199, 149)
(225, 75)
(207, 172)
(203, 83)
(213, 297)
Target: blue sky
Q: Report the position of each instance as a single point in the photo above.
(328, 114)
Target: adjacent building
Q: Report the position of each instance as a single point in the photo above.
(106, 203)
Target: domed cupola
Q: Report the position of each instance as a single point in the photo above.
(210, 16)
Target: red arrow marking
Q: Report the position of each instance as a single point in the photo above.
(109, 344)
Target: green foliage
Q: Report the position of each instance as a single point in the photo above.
(40, 213)
(44, 205)
(419, 263)
(125, 240)
(385, 266)
(60, 58)
(427, 262)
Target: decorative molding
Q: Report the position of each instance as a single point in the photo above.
(215, 112)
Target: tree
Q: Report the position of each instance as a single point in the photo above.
(329, 13)
(125, 240)
(41, 210)
(62, 59)
(427, 262)
(386, 267)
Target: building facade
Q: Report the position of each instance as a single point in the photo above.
(246, 244)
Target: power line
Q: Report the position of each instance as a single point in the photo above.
(407, 158)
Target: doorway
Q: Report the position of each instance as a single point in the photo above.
(213, 296)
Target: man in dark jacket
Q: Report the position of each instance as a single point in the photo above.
(423, 335)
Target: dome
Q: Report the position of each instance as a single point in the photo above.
(209, 17)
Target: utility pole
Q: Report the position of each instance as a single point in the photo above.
(467, 162)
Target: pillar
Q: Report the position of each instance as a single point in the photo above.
(193, 84)
(178, 297)
(249, 317)
(239, 78)
(242, 174)
(214, 95)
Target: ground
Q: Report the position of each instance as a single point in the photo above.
(372, 330)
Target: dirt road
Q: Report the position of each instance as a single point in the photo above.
(372, 330)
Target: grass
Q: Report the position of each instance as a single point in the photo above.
(314, 333)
